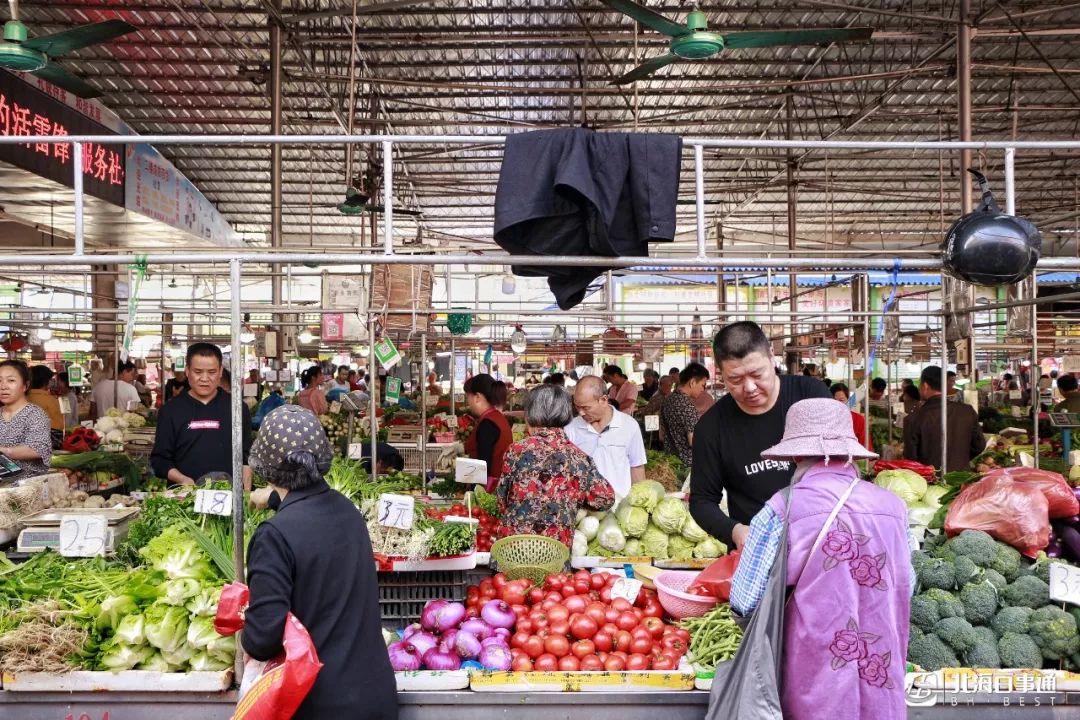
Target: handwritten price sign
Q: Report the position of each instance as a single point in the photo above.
(213, 502)
(627, 589)
(396, 511)
(1065, 583)
(83, 535)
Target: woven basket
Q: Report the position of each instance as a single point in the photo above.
(396, 292)
(530, 556)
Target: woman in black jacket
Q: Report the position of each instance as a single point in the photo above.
(314, 558)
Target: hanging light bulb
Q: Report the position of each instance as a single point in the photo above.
(509, 284)
(518, 341)
(305, 336)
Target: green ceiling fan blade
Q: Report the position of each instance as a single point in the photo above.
(61, 78)
(645, 69)
(62, 43)
(775, 38)
(648, 17)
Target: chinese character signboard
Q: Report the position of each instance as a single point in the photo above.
(26, 110)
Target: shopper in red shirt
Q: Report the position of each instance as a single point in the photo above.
(858, 420)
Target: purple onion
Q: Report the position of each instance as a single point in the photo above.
(410, 631)
(466, 645)
(446, 642)
(493, 641)
(477, 627)
(498, 614)
(436, 659)
(422, 641)
(440, 615)
(495, 657)
(503, 633)
(403, 656)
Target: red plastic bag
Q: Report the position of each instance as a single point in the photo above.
(928, 472)
(1059, 495)
(1013, 512)
(272, 689)
(715, 580)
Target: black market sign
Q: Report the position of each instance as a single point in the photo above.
(25, 110)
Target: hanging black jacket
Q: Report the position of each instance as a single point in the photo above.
(574, 191)
(314, 558)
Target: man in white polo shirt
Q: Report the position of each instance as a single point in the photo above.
(611, 438)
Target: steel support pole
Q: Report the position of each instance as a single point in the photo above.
(388, 197)
(373, 374)
(77, 177)
(453, 377)
(791, 358)
(422, 378)
(944, 392)
(235, 401)
(1010, 181)
(868, 370)
(699, 197)
(276, 182)
(1035, 373)
(963, 86)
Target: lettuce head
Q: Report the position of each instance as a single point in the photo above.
(709, 548)
(632, 520)
(647, 494)
(693, 532)
(679, 548)
(166, 627)
(655, 543)
(908, 485)
(670, 515)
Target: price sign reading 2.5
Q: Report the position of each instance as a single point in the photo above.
(213, 502)
(83, 535)
(396, 511)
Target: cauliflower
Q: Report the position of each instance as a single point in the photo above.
(134, 420)
(114, 436)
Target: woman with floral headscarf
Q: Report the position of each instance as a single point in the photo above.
(849, 576)
(313, 558)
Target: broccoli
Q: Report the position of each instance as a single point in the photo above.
(984, 654)
(930, 653)
(977, 545)
(1054, 631)
(994, 578)
(937, 573)
(1019, 651)
(933, 540)
(956, 632)
(1007, 561)
(1041, 567)
(980, 602)
(924, 613)
(1012, 620)
(1027, 591)
(966, 570)
(918, 559)
(948, 605)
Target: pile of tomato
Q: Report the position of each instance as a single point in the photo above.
(485, 532)
(572, 623)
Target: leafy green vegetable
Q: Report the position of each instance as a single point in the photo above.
(132, 630)
(908, 485)
(655, 542)
(201, 632)
(647, 494)
(166, 627)
(693, 532)
(178, 556)
(679, 548)
(113, 610)
(180, 590)
(632, 520)
(709, 548)
(610, 535)
(670, 515)
(117, 655)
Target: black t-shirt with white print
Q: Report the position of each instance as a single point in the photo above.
(727, 457)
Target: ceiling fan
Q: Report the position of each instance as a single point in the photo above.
(693, 41)
(356, 203)
(22, 53)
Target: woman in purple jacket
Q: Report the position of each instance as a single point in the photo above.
(849, 574)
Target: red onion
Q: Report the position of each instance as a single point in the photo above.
(477, 627)
(495, 657)
(446, 642)
(403, 656)
(503, 633)
(440, 615)
(493, 641)
(422, 641)
(498, 614)
(436, 659)
(466, 645)
(410, 631)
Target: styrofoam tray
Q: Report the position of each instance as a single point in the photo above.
(126, 681)
(397, 564)
(483, 559)
(432, 680)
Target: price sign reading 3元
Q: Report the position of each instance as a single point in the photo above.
(213, 502)
(83, 535)
(396, 511)
(1065, 583)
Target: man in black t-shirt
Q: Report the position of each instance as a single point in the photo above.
(730, 436)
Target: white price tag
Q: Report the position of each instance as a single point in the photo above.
(213, 502)
(470, 472)
(356, 450)
(652, 423)
(396, 511)
(83, 535)
(1015, 394)
(1065, 583)
(627, 589)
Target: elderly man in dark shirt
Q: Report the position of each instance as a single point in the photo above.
(922, 428)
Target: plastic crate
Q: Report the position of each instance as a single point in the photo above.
(402, 595)
(411, 454)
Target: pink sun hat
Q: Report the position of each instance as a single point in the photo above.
(819, 427)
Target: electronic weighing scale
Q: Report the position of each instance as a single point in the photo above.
(42, 529)
(1066, 421)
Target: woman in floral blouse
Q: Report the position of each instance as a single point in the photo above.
(24, 428)
(546, 478)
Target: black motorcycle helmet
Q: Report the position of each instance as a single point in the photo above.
(988, 247)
